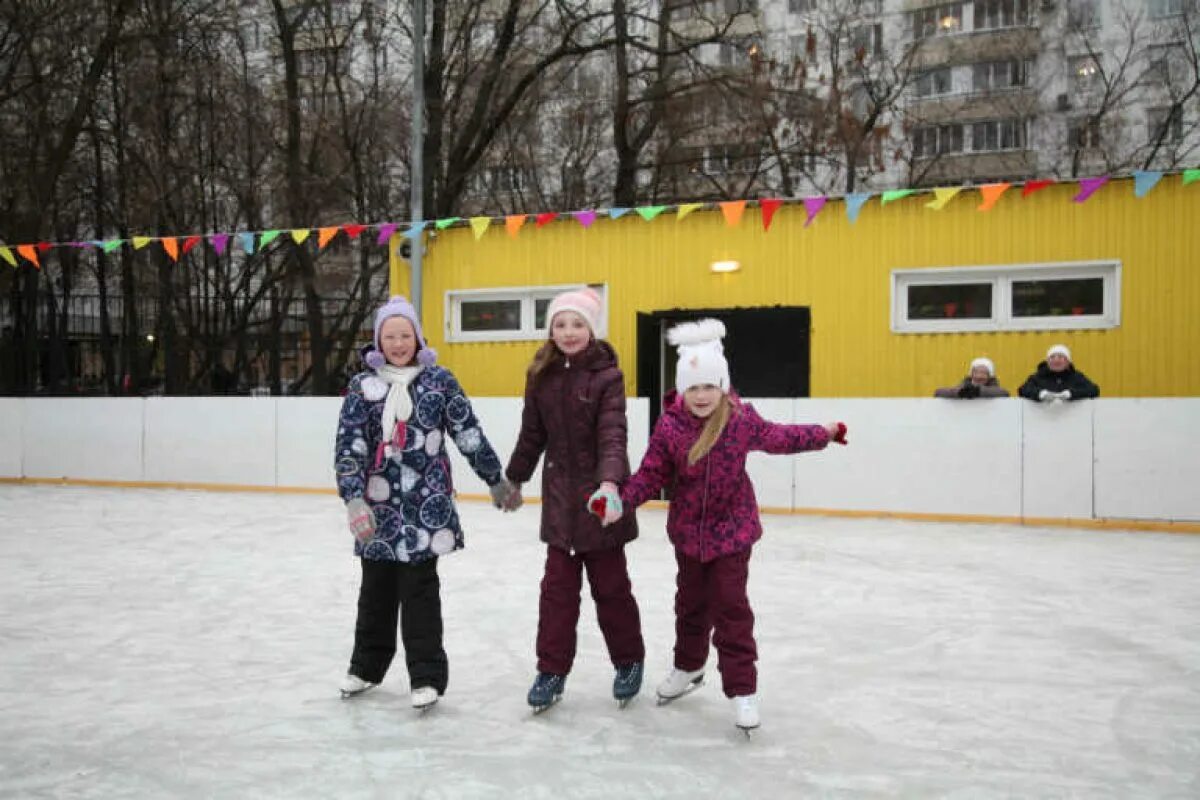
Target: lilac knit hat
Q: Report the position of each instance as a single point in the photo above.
(398, 306)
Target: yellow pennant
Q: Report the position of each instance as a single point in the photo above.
(7, 255)
(941, 197)
(685, 209)
(141, 241)
(300, 234)
(480, 226)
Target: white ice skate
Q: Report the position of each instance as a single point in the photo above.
(352, 685)
(424, 698)
(745, 713)
(679, 683)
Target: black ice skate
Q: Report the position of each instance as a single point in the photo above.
(627, 683)
(547, 690)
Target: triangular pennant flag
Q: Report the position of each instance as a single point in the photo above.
(190, 242)
(267, 237)
(353, 229)
(546, 218)
(896, 194)
(385, 232)
(219, 242)
(141, 241)
(29, 253)
(480, 225)
(442, 224)
(1035, 186)
(7, 255)
(111, 245)
(617, 213)
(650, 212)
(942, 196)
(1191, 176)
(1144, 181)
(813, 206)
(300, 234)
(171, 247)
(513, 224)
(325, 236)
(769, 207)
(854, 203)
(585, 218)
(991, 193)
(685, 209)
(247, 242)
(1088, 187)
(414, 231)
(733, 209)
(44, 247)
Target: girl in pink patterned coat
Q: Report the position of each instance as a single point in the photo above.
(698, 450)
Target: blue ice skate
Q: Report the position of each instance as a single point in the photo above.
(547, 690)
(627, 683)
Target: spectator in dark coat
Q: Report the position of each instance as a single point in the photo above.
(1056, 379)
(980, 382)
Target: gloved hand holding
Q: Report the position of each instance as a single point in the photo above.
(837, 432)
(506, 495)
(968, 391)
(1046, 396)
(514, 500)
(1065, 394)
(606, 504)
(361, 519)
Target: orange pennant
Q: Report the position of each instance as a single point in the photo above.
(29, 253)
(513, 223)
(324, 235)
(991, 193)
(171, 246)
(733, 209)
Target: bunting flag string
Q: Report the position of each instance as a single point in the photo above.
(732, 212)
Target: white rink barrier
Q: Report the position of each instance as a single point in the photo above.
(1131, 459)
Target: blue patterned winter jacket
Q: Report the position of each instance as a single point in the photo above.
(411, 493)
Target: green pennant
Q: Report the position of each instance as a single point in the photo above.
(896, 194)
(112, 244)
(442, 224)
(650, 212)
(1191, 176)
(268, 237)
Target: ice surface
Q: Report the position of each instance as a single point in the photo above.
(175, 644)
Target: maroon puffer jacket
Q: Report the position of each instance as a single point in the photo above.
(575, 413)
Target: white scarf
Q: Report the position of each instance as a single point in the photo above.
(398, 406)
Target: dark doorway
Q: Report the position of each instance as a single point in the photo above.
(767, 349)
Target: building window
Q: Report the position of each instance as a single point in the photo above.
(992, 14)
(1166, 8)
(1084, 73)
(1083, 134)
(1162, 59)
(1165, 124)
(1055, 296)
(866, 40)
(933, 83)
(937, 140)
(996, 75)
(489, 315)
(800, 6)
(1082, 15)
(937, 21)
(1004, 134)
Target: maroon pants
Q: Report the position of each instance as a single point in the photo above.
(710, 599)
(616, 608)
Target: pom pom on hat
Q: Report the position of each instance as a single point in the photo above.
(701, 355)
(398, 306)
(1059, 349)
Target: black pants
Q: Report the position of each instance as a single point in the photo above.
(413, 591)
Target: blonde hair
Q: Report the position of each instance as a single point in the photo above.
(714, 426)
(543, 358)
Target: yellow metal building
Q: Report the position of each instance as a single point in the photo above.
(844, 273)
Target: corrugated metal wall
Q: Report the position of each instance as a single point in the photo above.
(843, 273)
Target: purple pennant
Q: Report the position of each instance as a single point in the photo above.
(385, 232)
(813, 206)
(1088, 187)
(219, 241)
(585, 218)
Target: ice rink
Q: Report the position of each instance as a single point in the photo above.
(174, 644)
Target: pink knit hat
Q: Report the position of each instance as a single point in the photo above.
(584, 302)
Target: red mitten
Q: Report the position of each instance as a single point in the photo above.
(598, 505)
(840, 436)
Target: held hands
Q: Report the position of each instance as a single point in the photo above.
(361, 519)
(837, 432)
(1047, 396)
(506, 495)
(605, 503)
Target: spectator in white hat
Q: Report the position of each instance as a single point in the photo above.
(980, 382)
(1056, 380)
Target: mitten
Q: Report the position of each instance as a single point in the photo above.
(1046, 395)
(514, 500)
(1065, 394)
(606, 505)
(361, 519)
(840, 436)
(969, 391)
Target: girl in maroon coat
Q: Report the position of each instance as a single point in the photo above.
(575, 414)
(699, 448)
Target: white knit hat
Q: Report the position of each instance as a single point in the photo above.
(701, 355)
(986, 363)
(1060, 349)
(585, 302)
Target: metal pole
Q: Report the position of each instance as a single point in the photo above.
(416, 156)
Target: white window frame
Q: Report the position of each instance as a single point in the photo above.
(1002, 277)
(528, 296)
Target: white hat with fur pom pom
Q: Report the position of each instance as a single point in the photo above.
(701, 355)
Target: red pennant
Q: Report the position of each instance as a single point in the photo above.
(44, 247)
(353, 229)
(190, 242)
(769, 207)
(1035, 186)
(549, 216)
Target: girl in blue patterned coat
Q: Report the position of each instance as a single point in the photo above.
(393, 473)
